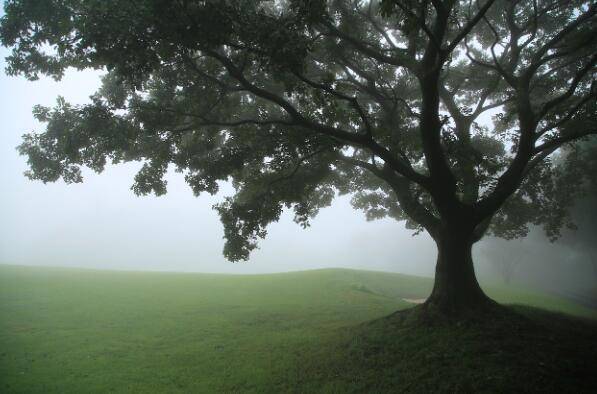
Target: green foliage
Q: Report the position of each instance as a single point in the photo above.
(296, 101)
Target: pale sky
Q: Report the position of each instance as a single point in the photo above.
(102, 224)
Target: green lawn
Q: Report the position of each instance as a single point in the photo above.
(80, 331)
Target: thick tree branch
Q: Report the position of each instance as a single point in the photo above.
(509, 181)
(367, 50)
(421, 23)
(401, 187)
(352, 100)
(444, 181)
(554, 143)
(468, 27)
(381, 30)
(358, 140)
(206, 121)
(331, 131)
(569, 115)
(297, 166)
(491, 88)
(535, 161)
(571, 89)
(508, 77)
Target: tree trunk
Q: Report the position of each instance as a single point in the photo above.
(456, 289)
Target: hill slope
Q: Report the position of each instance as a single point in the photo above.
(68, 330)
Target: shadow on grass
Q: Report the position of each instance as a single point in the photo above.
(517, 349)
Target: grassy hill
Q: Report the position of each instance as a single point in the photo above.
(70, 330)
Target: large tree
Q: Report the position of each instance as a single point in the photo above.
(440, 113)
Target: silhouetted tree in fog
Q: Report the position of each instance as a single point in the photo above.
(294, 101)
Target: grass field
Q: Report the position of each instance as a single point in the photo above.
(80, 331)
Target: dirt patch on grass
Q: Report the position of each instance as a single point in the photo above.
(415, 300)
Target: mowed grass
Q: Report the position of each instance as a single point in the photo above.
(75, 331)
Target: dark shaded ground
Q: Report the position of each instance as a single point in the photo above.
(520, 349)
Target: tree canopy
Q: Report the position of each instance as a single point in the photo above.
(441, 113)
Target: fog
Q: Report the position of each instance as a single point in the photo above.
(102, 224)
(535, 262)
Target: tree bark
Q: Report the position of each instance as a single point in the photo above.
(456, 290)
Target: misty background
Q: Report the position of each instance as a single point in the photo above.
(102, 224)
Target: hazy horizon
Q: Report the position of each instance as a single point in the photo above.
(101, 224)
